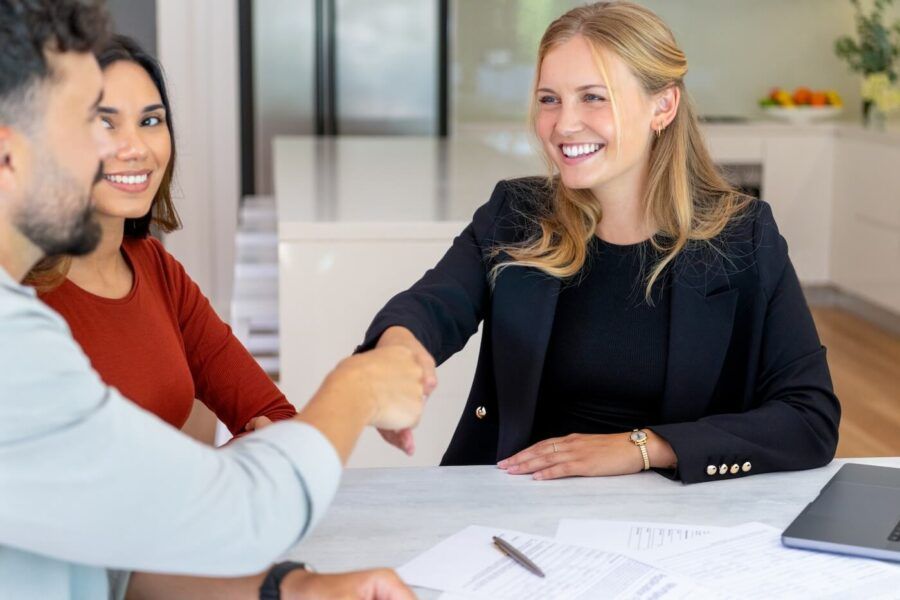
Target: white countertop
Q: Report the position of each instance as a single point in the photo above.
(845, 129)
(385, 517)
(371, 180)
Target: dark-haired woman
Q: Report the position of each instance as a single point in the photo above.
(151, 333)
(145, 325)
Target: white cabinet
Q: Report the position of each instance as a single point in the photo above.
(332, 283)
(835, 193)
(797, 183)
(797, 172)
(865, 252)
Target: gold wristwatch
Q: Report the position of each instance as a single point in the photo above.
(639, 439)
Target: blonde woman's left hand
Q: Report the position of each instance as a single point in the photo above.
(587, 455)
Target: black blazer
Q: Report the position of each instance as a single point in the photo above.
(746, 382)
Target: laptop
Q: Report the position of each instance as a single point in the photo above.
(857, 512)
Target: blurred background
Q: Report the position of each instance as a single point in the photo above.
(331, 149)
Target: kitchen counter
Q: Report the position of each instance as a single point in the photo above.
(330, 180)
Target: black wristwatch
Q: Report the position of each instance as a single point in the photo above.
(271, 585)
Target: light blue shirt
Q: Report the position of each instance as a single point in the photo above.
(89, 482)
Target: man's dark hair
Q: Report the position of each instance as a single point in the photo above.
(28, 29)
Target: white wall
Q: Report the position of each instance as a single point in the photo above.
(198, 46)
(737, 50)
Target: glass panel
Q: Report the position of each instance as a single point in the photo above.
(494, 48)
(135, 19)
(387, 66)
(283, 77)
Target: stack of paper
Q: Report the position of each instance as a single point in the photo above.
(469, 565)
(591, 559)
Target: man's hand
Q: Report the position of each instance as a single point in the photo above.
(401, 336)
(378, 584)
(383, 388)
(390, 378)
(588, 455)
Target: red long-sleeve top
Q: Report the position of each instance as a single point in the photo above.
(163, 345)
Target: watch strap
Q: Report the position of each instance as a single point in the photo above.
(271, 585)
(645, 456)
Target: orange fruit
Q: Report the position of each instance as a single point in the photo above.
(818, 99)
(802, 95)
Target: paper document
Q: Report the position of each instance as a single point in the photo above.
(468, 565)
(749, 561)
(627, 536)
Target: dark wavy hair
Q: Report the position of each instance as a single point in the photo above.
(28, 30)
(162, 216)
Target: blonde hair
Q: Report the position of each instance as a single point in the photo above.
(686, 196)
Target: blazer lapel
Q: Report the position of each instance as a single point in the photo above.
(524, 307)
(700, 326)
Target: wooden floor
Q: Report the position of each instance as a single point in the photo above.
(865, 367)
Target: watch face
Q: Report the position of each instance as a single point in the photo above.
(638, 436)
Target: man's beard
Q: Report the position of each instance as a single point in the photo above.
(57, 217)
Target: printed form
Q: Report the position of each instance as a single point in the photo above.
(468, 565)
(627, 536)
(749, 561)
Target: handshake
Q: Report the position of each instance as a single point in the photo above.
(385, 387)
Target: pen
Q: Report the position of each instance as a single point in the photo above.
(517, 556)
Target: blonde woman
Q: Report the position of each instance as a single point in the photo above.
(638, 311)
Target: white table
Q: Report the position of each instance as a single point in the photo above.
(385, 517)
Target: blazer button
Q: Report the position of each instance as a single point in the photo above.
(711, 470)
(723, 468)
(481, 412)
(746, 467)
(735, 468)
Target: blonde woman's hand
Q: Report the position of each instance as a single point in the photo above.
(588, 455)
(401, 336)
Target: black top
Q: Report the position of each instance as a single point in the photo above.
(605, 368)
(746, 377)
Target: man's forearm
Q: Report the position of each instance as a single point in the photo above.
(339, 421)
(152, 586)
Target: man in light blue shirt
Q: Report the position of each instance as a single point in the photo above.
(89, 481)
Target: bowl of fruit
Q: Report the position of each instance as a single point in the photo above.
(803, 105)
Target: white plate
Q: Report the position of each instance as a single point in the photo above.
(803, 114)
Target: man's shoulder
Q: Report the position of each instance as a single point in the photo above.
(20, 306)
(46, 380)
